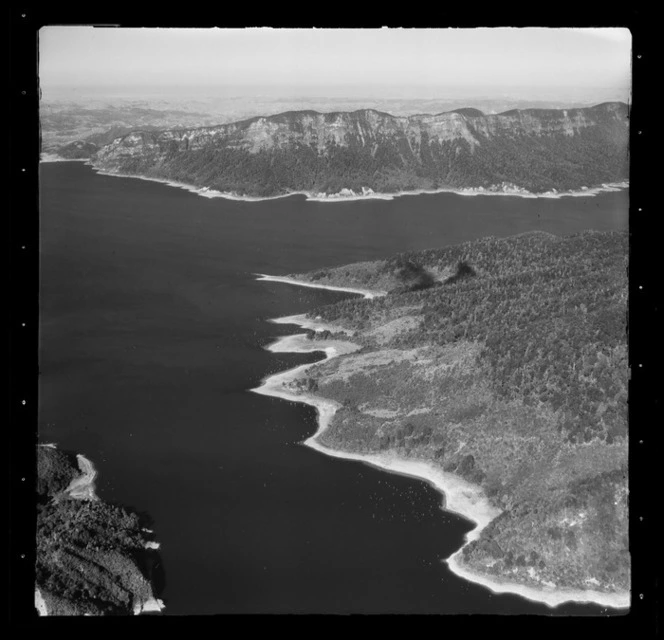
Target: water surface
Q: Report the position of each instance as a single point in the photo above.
(152, 332)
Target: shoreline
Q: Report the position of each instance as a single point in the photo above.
(152, 605)
(311, 196)
(367, 293)
(315, 325)
(458, 496)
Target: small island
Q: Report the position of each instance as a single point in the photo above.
(497, 371)
(93, 557)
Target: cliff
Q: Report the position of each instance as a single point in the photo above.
(533, 149)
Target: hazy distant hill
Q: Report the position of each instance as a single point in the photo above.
(533, 149)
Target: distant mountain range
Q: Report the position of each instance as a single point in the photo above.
(537, 150)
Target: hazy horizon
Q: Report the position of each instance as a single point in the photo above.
(580, 65)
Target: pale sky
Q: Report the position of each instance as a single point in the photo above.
(487, 58)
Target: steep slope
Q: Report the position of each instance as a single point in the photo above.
(533, 149)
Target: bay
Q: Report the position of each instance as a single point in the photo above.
(152, 332)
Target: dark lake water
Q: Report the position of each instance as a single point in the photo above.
(152, 331)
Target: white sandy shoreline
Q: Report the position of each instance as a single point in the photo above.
(52, 157)
(151, 605)
(307, 323)
(459, 496)
(206, 192)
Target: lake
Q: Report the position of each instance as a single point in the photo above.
(152, 332)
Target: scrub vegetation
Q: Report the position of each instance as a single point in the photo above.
(503, 361)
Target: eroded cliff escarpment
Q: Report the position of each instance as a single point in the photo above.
(503, 361)
(533, 149)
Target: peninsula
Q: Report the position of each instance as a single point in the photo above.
(372, 154)
(93, 558)
(497, 371)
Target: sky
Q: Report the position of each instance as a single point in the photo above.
(478, 61)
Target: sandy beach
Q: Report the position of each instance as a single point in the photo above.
(459, 496)
(206, 192)
(152, 605)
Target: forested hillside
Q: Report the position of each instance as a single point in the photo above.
(503, 361)
(537, 150)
